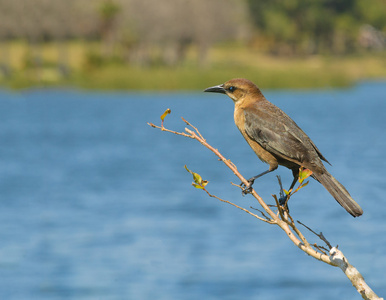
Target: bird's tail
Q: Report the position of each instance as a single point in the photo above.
(338, 191)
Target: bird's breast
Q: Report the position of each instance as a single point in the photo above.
(239, 118)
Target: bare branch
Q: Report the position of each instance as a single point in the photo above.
(284, 220)
(352, 274)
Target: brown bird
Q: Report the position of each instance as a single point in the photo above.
(278, 140)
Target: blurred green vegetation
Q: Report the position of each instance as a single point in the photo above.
(91, 71)
(175, 44)
(301, 27)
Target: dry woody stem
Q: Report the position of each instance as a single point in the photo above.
(279, 215)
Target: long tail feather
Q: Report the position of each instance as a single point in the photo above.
(338, 191)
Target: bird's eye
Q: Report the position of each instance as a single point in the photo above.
(231, 89)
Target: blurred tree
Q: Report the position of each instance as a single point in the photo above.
(314, 26)
(108, 12)
(173, 26)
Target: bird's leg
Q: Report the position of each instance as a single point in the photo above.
(247, 188)
(283, 200)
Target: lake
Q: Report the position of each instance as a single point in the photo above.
(95, 204)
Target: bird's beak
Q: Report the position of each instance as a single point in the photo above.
(216, 89)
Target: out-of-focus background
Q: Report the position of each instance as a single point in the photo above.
(96, 204)
(183, 44)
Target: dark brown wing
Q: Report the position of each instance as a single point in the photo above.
(279, 134)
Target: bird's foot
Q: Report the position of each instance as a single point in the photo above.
(247, 189)
(283, 201)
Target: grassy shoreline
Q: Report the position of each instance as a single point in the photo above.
(224, 62)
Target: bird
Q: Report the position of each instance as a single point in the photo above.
(278, 140)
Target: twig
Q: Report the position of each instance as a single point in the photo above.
(171, 131)
(267, 220)
(238, 185)
(262, 213)
(320, 248)
(320, 235)
(281, 186)
(198, 132)
(279, 207)
(298, 232)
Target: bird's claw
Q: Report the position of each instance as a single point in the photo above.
(247, 189)
(283, 202)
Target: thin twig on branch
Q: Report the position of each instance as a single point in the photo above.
(319, 235)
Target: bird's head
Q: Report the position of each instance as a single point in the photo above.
(236, 89)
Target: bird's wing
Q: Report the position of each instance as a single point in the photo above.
(277, 133)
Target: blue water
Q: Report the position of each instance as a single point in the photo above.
(95, 204)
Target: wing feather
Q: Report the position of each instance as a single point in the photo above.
(283, 138)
